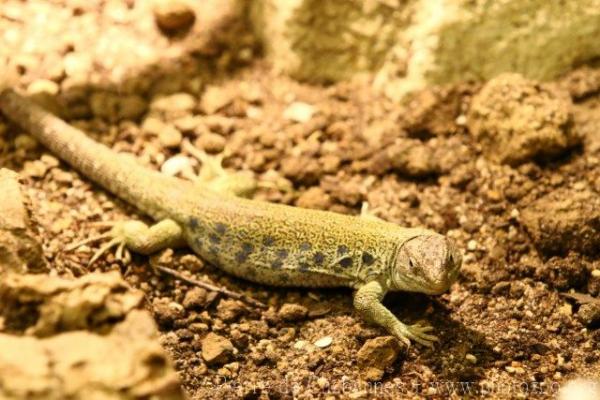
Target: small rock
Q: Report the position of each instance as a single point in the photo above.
(378, 354)
(178, 104)
(195, 298)
(564, 220)
(43, 86)
(292, 312)
(216, 350)
(229, 309)
(24, 142)
(153, 126)
(471, 358)
(178, 164)
(324, 342)
(315, 198)
(173, 15)
(20, 249)
(170, 136)
(580, 389)
(589, 314)
(211, 142)
(533, 121)
(299, 112)
(215, 98)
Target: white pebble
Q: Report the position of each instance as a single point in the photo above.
(580, 389)
(325, 341)
(176, 165)
(299, 112)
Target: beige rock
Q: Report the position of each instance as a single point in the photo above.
(173, 15)
(564, 220)
(215, 98)
(20, 249)
(418, 43)
(128, 363)
(517, 120)
(92, 302)
(376, 355)
(292, 312)
(216, 349)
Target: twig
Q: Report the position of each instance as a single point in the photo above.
(212, 288)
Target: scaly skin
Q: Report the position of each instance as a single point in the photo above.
(262, 242)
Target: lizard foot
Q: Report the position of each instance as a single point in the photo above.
(418, 333)
(136, 236)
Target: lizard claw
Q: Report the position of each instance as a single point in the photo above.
(418, 333)
(117, 236)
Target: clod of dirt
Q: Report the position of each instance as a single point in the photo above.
(20, 249)
(376, 355)
(299, 112)
(198, 298)
(412, 158)
(292, 312)
(216, 350)
(41, 305)
(128, 363)
(564, 220)
(517, 120)
(215, 98)
(116, 107)
(589, 314)
(172, 16)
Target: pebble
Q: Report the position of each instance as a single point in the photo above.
(471, 358)
(43, 86)
(324, 342)
(183, 103)
(229, 310)
(589, 314)
(195, 298)
(299, 112)
(170, 136)
(215, 98)
(216, 350)
(376, 355)
(211, 142)
(292, 312)
(580, 389)
(173, 15)
(176, 165)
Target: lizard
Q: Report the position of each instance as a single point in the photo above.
(263, 242)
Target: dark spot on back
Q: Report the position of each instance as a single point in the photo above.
(247, 247)
(367, 258)
(198, 242)
(241, 256)
(268, 241)
(194, 223)
(318, 258)
(305, 246)
(220, 228)
(277, 264)
(214, 238)
(282, 253)
(303, 266)
(342, 250)
(213, 250)
(346, 262)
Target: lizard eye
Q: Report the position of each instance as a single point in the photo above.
(411, 264)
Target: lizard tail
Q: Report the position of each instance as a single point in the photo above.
(149, 190)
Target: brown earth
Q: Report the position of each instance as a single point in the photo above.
(529, 231)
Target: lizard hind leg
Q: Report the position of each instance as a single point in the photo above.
(137, 237)
(213, 176)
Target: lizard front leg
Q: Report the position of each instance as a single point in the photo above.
(367, 301)
(139, 237)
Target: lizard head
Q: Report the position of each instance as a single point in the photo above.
(428, 263)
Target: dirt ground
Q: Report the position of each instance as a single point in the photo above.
(527, 222)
